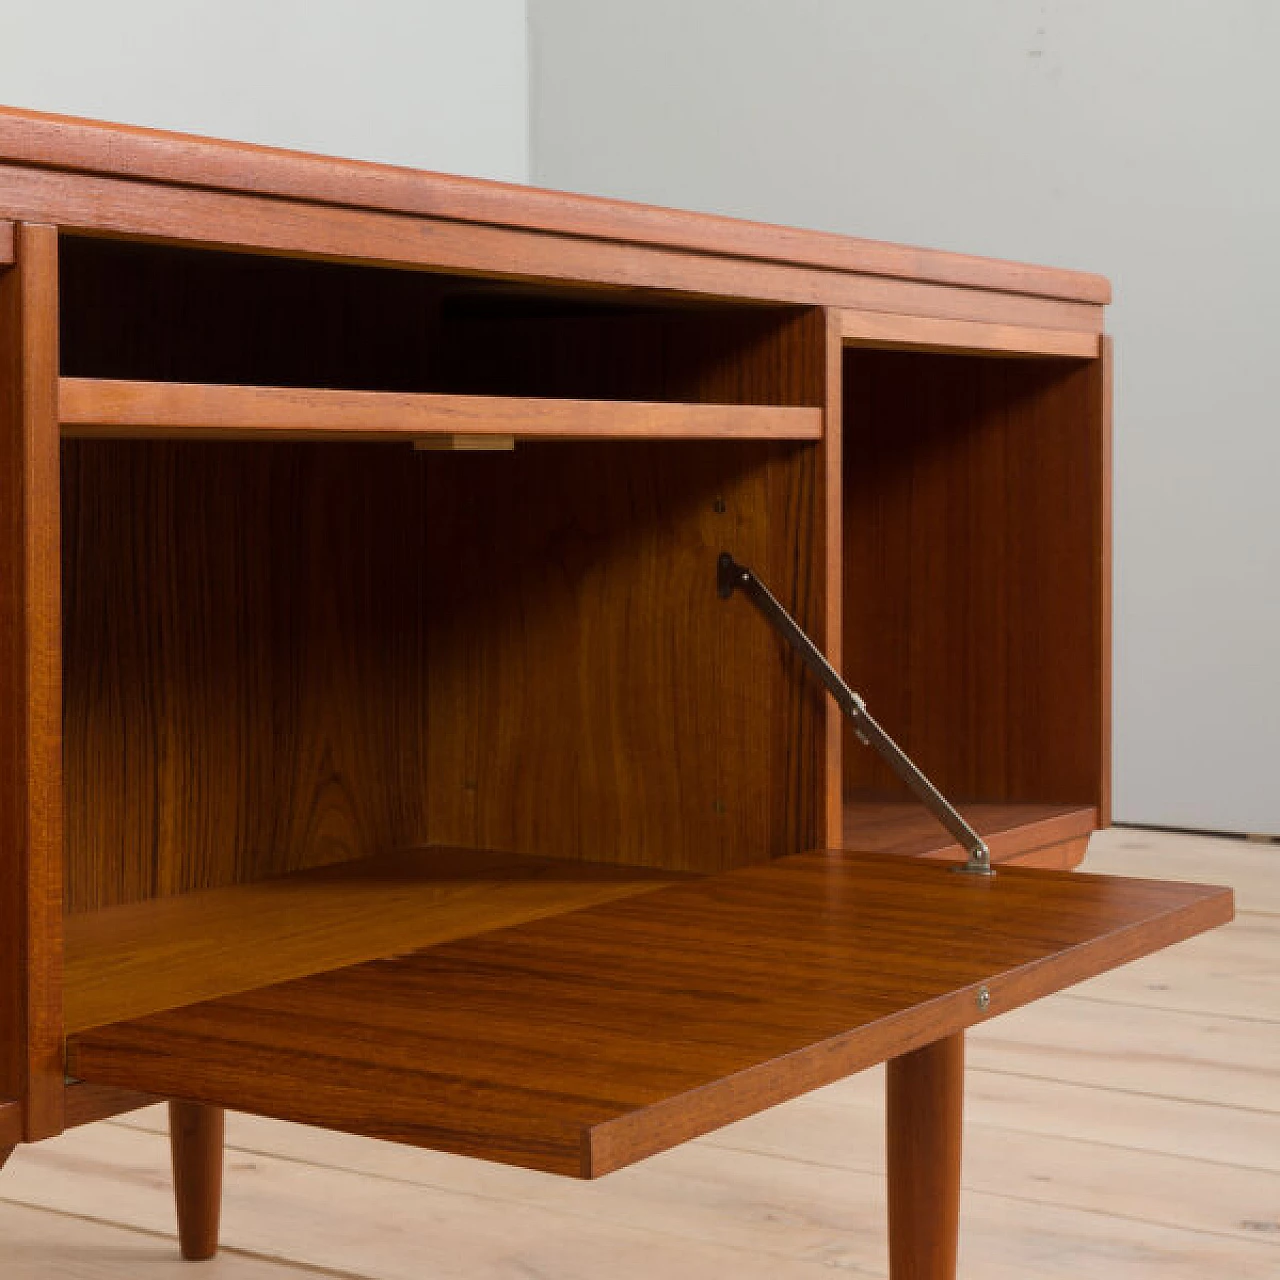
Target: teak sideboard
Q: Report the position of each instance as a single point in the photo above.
(378, 752)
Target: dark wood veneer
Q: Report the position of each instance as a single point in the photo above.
(977, 552)
(582, 1043)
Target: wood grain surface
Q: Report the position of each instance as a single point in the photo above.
(924, 1115)
(30, 687)
(10, 1124)
(1015, 832)
(114, 408)
(961, 337)
(195, 1142)
(87, 146)
(162, 313)
(144, 957)
(590, 697)
(7, 244)
(106, 206)
(1105, 537)
(89, 1103)
(831, 638)
(283, 656)
(585, 1042)
(977, 552)
(127, 961)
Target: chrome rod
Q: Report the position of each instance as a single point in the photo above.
(731, 576)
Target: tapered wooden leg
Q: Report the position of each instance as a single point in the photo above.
(195, 1141)
(925, 1106)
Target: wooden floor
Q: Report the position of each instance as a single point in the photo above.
(1125, 1131)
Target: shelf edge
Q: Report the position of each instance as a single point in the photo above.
(101, 407)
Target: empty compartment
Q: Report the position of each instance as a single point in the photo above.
(327, 702)
(976, 580)
(140, 311)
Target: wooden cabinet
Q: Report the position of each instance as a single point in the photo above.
(378, 752)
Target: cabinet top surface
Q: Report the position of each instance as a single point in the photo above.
(94, 149)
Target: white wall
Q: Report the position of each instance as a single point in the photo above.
(428, 83)
(1139, 138)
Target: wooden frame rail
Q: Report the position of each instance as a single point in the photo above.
(964, 337)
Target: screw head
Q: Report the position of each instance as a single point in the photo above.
(984, 999)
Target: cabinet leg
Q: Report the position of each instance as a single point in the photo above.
(195, 1141)
(925, 1106)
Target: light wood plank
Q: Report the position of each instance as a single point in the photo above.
(1092, 1173)
(963, 337)
(1252, 869)
(726, 1213)
(395, 1230)
(1228, 1061)
(44, 1244)
(104, 407)
(1205, 1132)
(144, 957)
(1231, 972)
(1105, 1116)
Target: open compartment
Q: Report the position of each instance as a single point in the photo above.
(474, 687)
(162, 340)
(976, 580)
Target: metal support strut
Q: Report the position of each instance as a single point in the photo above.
(731, 576)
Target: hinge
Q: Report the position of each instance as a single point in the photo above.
(731, 576)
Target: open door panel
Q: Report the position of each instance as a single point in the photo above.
(581, 1043)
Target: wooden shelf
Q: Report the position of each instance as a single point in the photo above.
(142, 958)
(1015, 832)
(132, 960)
(97, 407)
(582, 1043)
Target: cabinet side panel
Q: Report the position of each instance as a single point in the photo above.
(30, 672)
(1105, 551)
(976, 572)
(833, 572)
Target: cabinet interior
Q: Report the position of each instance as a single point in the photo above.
(973, 590)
